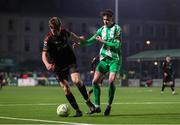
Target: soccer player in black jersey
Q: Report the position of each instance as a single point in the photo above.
(58, 56)
(168, 75)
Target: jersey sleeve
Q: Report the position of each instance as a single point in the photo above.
(45, 41)
(116, 41)
(113, 43)
(92, 39)
(118, 34)
(89, 41)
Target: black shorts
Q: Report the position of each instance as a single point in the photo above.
(168, 78)
(63, 74)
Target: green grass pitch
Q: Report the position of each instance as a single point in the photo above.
(37, 105)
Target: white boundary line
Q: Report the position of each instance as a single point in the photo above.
(72, 123)
(30, 104)
(125, 103)
(146, 103)
(61, 122)
(40, 120)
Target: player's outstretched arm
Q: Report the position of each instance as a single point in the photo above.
(76, 39)
(46, 63)
(88, 41)
(112, 43)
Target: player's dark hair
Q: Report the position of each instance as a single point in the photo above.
(54, 23)
(107, 12)
(167, 56)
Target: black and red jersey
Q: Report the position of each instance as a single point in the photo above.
(168, 68)
(59, 51)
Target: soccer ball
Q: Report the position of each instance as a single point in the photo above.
(63, 110)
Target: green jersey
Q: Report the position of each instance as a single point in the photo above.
(112, 46)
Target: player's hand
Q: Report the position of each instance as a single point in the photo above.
(165, 74)
(98, 38)
(50, 67)
(82, 38)
(91, 72)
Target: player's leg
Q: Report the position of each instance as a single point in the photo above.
(101, 69)
(163, 87)
(172, 84)
(164, 84)
(90, 92)
(70, 97)
(112, 87)
(114, 68)
(97, 90)
(111, 93)
(75, 76)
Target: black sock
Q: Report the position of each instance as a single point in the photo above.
(83, 92)
(172, 87)
(163, 86)
(91, 91)
(72, 101)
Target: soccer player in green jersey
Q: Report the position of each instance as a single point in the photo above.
(110, 57)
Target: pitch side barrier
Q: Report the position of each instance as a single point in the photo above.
(149, 83)
(37, 81)
(127, 83)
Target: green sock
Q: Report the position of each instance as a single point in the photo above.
(112, 89)
(97, 93)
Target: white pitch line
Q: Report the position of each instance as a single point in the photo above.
(29, 104)
(40, 120)
(146, 103)
(61, 122)
(123, 103)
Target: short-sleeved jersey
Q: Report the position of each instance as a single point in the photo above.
(59, 51)
(112, 46)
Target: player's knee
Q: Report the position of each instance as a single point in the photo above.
(111, 80)
(95, 82)
(172, 84)
(66, 89)
(76, 81)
